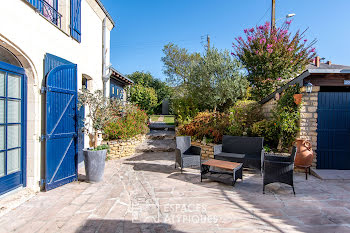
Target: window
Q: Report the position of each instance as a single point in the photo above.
(49, 9)
(10, 123)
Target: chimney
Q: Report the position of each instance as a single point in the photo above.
(317, 61)
(329, 63)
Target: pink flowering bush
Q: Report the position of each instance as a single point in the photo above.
(272, 56)
(127, 122)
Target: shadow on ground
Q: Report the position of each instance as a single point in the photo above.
(319, 206)
(106, 226)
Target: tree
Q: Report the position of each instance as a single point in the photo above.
(216, 81)
(272, 56)
(178, 63)
(161, 89)
(99, 112)
(144, 97)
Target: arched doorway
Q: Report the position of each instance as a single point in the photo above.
(13, 98)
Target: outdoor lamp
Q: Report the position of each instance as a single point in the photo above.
(290, 15)
(309, 87)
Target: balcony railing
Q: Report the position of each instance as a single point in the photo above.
(48, 11)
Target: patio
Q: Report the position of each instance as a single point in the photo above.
(144, 193)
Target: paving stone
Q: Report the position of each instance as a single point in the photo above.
(147, 184)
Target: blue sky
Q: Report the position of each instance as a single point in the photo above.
(144, 27)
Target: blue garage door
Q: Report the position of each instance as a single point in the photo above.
(333, 140)
(12, 127)
(61, 122)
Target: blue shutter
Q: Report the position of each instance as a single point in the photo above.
(75, 19)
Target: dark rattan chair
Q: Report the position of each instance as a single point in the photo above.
(278, 169)
(185, 154)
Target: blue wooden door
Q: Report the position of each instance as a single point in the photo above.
(333, 140)
(12, 127)
(61, 122)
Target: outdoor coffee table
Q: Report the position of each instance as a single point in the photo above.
(222, 171)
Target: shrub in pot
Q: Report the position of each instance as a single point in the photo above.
(98, 114)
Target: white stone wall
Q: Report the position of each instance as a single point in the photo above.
(30, 36)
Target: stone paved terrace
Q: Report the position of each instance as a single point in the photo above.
(145, 193)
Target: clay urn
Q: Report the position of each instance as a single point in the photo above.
(297, 98)
(305, 155)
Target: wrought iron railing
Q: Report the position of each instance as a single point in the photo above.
(48, 11)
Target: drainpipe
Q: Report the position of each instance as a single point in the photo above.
(106, 71)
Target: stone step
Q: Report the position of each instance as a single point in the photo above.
(161, 135)
(164, 145)
(161, 126)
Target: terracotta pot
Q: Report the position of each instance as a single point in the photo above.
(297, 98)
(305, 155)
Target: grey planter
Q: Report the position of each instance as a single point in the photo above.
(94, 164)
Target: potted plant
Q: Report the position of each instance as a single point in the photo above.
(98, 114)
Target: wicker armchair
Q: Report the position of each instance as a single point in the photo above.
(278, 169)
(185, 154)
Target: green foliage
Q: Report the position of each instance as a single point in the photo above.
(216, 82)
(128, 122)
(148, 82)
(243, 115)
(178, 63)
(206, 125)
(184, 108)
(144, 96)
(280, 132)
(212, 81)
(102, 147)
(267, 129)
(287, 116)
(98, 109)
(272, 56)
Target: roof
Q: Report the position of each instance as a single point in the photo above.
(120, 77)
(324, 68)
(106, 12)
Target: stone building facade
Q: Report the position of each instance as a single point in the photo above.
(308, 116)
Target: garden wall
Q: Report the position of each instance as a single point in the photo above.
(267, 108)
(207, 149)
(122, 148)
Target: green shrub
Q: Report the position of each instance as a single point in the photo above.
(128, 122)
(206, 125)
(184, 109)
(287, 117)
(267, 129)
(145, 97)
(161, 91)
(243, 115)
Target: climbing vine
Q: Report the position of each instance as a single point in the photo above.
(287, 116)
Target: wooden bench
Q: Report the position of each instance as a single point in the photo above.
(228, 172)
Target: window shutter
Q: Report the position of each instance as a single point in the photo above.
(75, 19)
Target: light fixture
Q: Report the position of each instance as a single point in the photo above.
(290, 15)
(309, 87)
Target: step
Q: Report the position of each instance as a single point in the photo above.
(161, 135)
(164, 145)
(161, 126)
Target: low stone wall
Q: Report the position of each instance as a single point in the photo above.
(207, 149)
(122, 148)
